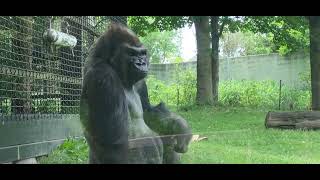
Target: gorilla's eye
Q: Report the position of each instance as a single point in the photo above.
(131, 53)
(144, 52)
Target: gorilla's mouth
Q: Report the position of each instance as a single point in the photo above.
(141, 67)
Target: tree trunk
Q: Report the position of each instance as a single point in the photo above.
(204, 77)
(314, 25)
(293, 120)
(215, 57)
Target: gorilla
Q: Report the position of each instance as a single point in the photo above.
(111, 112)
(174, 130)
(119, 123)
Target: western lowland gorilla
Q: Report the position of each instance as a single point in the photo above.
(110, 107)
(115, 108)
(174, 130)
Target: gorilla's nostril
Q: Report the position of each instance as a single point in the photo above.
(141, 62)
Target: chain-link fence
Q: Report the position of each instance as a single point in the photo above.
(41, 62)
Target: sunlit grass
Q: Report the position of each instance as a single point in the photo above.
(239, 136)
(235, 136)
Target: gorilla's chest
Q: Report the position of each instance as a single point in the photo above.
(137, 126)
(134, 104)
(142, 150)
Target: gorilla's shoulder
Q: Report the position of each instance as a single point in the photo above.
(101, 71)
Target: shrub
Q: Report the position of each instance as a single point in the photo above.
(235, 93)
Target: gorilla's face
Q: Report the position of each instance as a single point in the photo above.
(138, 60)
(133, 62)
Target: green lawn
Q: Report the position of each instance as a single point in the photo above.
(234, 136)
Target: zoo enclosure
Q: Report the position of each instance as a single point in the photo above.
(40, 82)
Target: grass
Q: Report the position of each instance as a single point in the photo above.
(72, 151)
(235, 136)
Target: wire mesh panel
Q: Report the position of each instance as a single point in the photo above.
(36, 76)
(40, 79)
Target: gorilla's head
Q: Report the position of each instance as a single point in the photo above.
(122, 49)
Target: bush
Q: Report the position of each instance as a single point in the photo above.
(5, 106)
(71, 151)
(262, 94)
(50, 105)
(235, 93)
(181, 93)
(248, 93)
(186, 86)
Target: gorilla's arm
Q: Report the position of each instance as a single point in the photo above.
(142, 90)
(108, 114)
(161, 120)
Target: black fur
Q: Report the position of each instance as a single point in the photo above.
(104, 115)
(142, 89)
(165, 123)
(108, 96)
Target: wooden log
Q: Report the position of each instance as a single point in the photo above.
(309, 120)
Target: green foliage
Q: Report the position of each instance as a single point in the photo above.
(50, 105)
(305, 78)
(72, 151)
(257, 43)
(186, 88)
(262, 94)
(245, 43)
(178, 60)
(283, 50)
(181, 93)
(230, 23)
(248, 93)
(163, 46)
(238, 136)
(245, 93)
(300, 99)
(142, 25)
(235, 135)
(5, 104)
(158, 91)
(290, 33)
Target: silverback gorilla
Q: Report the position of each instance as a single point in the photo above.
(111, 110)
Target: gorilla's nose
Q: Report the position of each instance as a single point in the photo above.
(141, 61)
